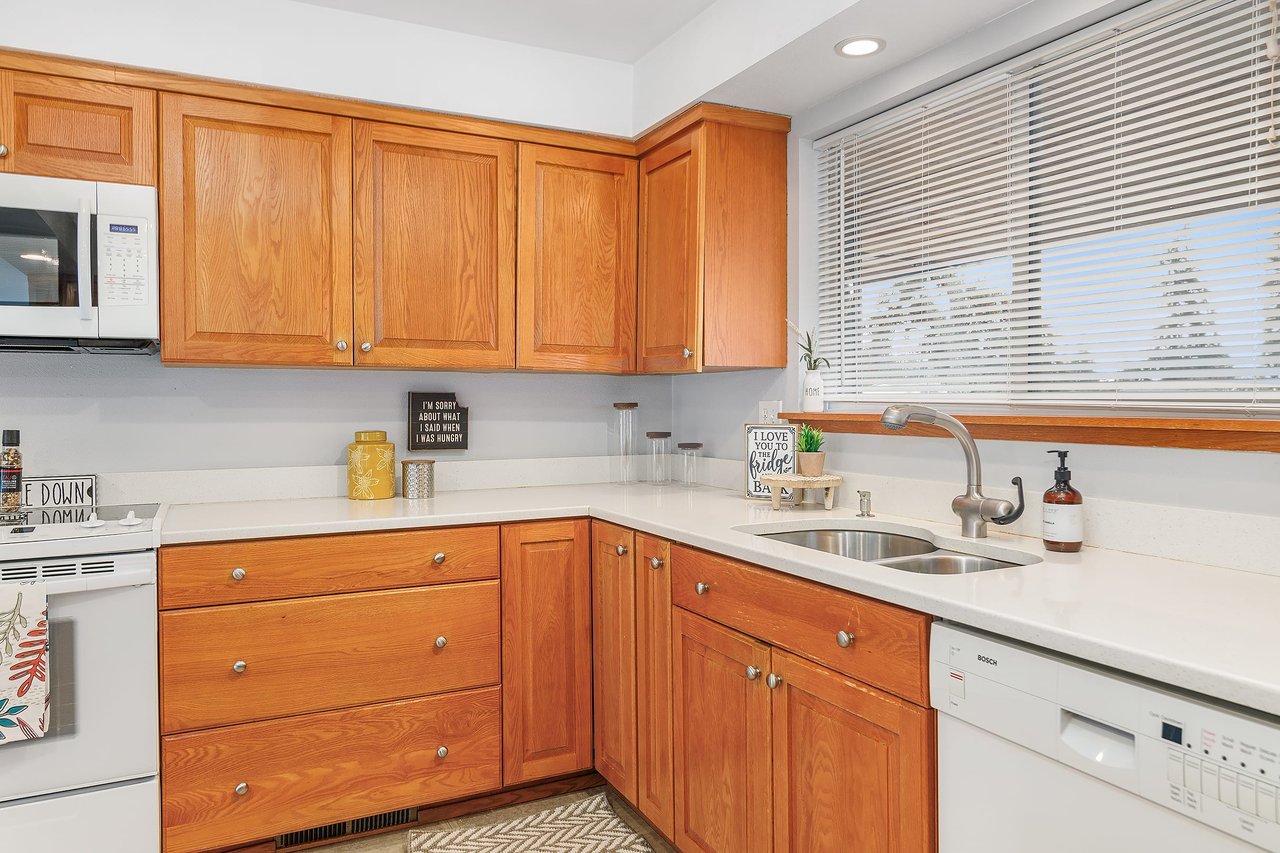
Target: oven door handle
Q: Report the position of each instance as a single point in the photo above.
(84, 246)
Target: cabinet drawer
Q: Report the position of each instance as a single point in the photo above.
(322, 768)
(889, 644)
(195, 575)
(335, 651)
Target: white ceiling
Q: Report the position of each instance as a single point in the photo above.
(621, 30)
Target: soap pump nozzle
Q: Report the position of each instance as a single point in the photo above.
(1063, 473)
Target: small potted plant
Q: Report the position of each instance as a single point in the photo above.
(810, 457)
(812, 392)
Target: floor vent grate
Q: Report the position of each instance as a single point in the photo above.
(359, 826)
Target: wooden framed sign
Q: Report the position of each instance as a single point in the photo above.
(436, 422)
(771, 449)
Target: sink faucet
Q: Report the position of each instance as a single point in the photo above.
(974, 509)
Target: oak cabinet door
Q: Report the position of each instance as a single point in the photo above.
(546, 649)
(255, 213)
(81, 129)
(613, 569)
(852, 767)
(653, 683)
(722, 737)
(671, 257)
(435, 240)
(577, 261)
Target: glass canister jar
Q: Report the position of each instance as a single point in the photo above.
(625, 446)
(689, 453)
(659, 467)
(371, 466)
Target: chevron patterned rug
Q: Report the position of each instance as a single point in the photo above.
(585, 826)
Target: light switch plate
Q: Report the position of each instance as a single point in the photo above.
(769, 410)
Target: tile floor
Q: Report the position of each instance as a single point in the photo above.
(398, 842)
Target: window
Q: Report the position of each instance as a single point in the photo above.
(1097, 224)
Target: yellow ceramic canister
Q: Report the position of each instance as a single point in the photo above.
(371, 467)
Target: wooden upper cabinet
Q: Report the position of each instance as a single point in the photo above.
(435, 242)
(713, 250)
(546, 649)
(654, 781)
(79, 129)
(852, 767)
(613, 570)
(722, 739)
(255, 212)
(577, 261)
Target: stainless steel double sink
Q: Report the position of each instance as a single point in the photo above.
(895, 550)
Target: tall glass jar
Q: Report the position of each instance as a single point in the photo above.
(625, 443)
(371, 466)
(659, 467)
(689, 453)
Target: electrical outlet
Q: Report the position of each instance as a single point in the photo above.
(769, 411)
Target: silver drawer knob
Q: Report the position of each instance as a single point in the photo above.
(686, 352)
(242, 789)
(442, 752)
(238, 574)
(341, 345)
(366, 346)
(655, 563)
(239, 666)
(438, 559)
(844, 639)
(753, 672)
(441, 642)
(773, 680)
(622, 550)
(701, 588)
(4, 150)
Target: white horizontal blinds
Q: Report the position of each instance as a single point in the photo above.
(1100, 227)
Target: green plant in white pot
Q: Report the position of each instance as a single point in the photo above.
(810, 457)
(812, 392)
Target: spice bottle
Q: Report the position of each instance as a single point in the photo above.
(10, 472)
(371, 467)
(1063, 511)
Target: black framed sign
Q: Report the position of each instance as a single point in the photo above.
(436, 421)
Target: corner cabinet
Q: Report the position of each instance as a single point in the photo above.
(577, 266)
(255, 212)
(713, 249)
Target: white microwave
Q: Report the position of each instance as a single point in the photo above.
(78, 265)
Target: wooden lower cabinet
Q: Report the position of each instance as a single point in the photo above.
(242, 783)
(613, 580)
(654, 780)
(722, 738)
(546, 649)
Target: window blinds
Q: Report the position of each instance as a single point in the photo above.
(1099, 226)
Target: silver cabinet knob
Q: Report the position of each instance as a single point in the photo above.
(656, 563)
(242, 789)
(341, 345)
(4, 150)
(366, 346)
(238, 574)
(753, 672)
(773, 680)
(239, 666)
(686, 352)
(844, 639)
(442, 752)
(438, 559)
(441, 642)
(701, 588)
(622, 550)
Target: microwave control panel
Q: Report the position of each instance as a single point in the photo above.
(123, 261)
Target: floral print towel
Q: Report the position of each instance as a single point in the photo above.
(24, 661)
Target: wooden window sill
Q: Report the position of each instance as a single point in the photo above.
(1198, 433)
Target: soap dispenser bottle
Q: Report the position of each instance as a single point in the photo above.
(1063, 511)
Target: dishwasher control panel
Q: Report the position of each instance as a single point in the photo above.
(1213, 763)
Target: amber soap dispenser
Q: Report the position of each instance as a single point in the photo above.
(1063, 511)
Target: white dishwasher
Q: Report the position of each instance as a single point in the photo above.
(1039, 753)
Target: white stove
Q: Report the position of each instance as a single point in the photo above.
(70, 531)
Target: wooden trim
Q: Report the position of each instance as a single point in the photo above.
(670, 128)
(1197, 433)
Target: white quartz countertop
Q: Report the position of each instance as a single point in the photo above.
(1200, 628)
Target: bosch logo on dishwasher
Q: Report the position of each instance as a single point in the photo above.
(987, 660)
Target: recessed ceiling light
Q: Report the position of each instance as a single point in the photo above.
(860, 46)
